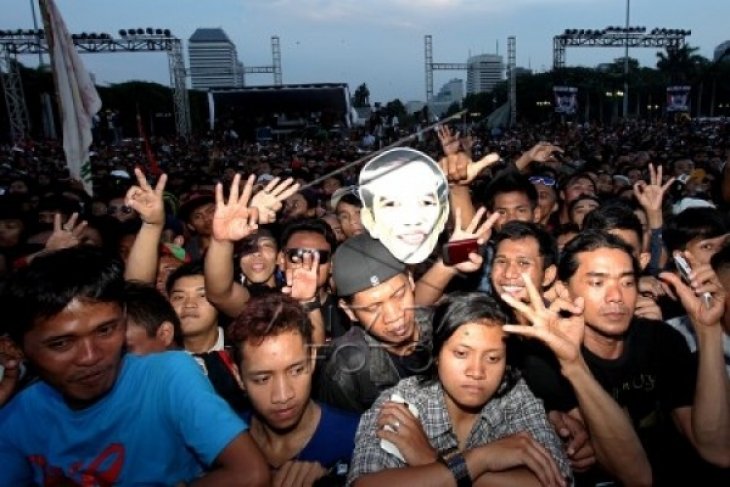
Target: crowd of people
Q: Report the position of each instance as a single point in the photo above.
(546, 305)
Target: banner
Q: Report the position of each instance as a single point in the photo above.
(566, 99)
(678, 98)
(78, 100)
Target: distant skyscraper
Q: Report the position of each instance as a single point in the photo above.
(452, 91)
(720, 50)
(213, 60)
(483, 73)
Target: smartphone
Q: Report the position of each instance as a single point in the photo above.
(684, 270)
(458, 251)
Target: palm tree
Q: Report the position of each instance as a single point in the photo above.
(680, 65)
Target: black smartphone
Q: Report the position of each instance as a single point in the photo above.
(458, 251)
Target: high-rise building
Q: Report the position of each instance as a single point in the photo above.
(721, 50)
(452, 91)
(213, 60)
(483, 73)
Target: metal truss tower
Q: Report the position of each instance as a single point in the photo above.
(135, 40)
(275, 68)
(180, 91)
(432, 66)
(14, 97)
(512, 76)
(616, 37)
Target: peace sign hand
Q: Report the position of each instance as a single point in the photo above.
(564, 336)
(269, 200)
(234, 220)
(147, 201)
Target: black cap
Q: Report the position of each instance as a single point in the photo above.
(362, 262)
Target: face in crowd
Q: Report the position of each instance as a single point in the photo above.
(79, 350)
(514, 258)
(386, 311)
(197, 315)
(258, 260)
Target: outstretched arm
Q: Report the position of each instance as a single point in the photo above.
(707, 423)
(233, 221)
(147, 201)
(615, 441)
(430, 287)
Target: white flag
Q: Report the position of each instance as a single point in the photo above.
(77, 96)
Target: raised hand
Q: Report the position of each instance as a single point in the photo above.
(541, 152)
(269, 200)
(301, 278)
(461, 170)
(564, 336)
(66, 235)
(651, 195)
(449, 140)
(234, 220)
(703, 280)
(146, 200)
(481, 231)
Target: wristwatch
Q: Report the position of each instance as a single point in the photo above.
(310, 306)
(457, 466)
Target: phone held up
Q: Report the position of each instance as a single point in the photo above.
(458, 251)
(684, 270)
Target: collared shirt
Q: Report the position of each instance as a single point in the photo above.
(513, 410)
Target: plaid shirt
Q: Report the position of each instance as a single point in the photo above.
(514, 411)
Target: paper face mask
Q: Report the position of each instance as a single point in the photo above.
(405, 202)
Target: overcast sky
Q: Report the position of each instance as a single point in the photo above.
(379, 42)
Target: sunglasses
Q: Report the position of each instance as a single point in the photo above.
(297, 255)
(544, 180)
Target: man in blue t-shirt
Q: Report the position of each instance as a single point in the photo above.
(303, 441)
(97, 416)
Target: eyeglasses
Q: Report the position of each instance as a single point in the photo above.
(544, 180)
(298, 254)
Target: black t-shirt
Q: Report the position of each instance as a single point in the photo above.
(411, 364)
(655, 375)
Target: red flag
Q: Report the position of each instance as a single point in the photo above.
(154, 168)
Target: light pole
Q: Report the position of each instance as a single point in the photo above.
(626, 62)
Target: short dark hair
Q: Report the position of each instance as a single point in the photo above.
(509, 182)
(148, 308)
(517, 230)
(568, 180)
(588, 241)
(350, 199)
(46, 286)
(616, 215)
(310, 225)
(194, 268)
(267, 315)
(690, 224)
